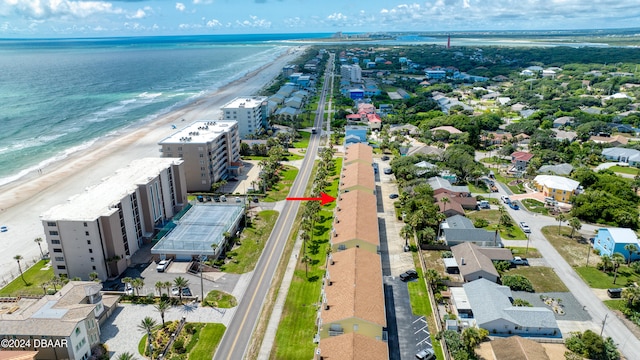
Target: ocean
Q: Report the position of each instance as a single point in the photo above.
(60, 96)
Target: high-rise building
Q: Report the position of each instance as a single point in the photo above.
(98, 230)
(251, 113)
(210, 150)
(351, 73)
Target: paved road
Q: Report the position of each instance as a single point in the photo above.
(237, 337)
(628, 344)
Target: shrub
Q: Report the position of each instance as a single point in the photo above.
(178, 346)
(517, 282)
(446, 254)
(521, 302)
(480, 223)
(502, 266)
(636, 266)
(190, 328)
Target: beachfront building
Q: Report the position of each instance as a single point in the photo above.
(99, 229)
(61, 326)
(210, 150)
(251, 113)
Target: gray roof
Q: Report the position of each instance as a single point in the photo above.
(425, 150)
(564, 120)
(490, 302)
(631, 154)
(474, 260)
(478, 236)
(438, 182)
(458, 222)
(562, 135)
(559, 169)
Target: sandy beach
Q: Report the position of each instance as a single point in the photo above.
(22, 201)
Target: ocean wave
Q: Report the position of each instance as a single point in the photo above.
(30, 143)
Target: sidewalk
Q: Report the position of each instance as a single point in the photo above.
(270, 333)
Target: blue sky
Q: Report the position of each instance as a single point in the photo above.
(96, 18)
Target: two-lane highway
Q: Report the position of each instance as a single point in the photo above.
(237, 337)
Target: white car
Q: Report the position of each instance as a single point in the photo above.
(163, 265)
(525, 227)
(128, 289)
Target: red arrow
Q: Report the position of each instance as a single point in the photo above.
(324, 199)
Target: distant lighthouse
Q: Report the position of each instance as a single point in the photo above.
(449, 42)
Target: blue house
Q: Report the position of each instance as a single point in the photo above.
(613, 240)
(356, 94)
(355, 134)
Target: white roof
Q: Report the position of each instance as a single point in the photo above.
(99, 200)
(622, 235)
(244, 102)
(200, 132)
(557, 182)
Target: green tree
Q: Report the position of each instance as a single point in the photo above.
(162, 308)
(180, 283)
(19, 258)
(433, 278)
(138, 284)
(575, 225)
(632, 295)
(472, 337)
(147, 324)
(159, 285)
(93, 276)
(38, 241)
(167, 285)
(632, 249)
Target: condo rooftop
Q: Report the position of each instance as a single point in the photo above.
(101, 199)
(199, 132)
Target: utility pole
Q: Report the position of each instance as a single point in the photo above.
(604, 321)
(588, 252)
(527, 250)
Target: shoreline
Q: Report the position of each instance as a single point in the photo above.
(23, 200)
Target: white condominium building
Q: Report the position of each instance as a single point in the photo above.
(98, 230)
(210, 150)
(351, 73)
(250, 112)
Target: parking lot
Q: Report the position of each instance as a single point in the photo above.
(408, 333)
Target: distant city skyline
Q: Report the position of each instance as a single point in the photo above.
(101, 18)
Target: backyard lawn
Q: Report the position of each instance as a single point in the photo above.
(544, 279)
(524, 253)
(600, 280)
(573, 251)
(252, 242)
(625, 170)
(35, 277)
(492, 216)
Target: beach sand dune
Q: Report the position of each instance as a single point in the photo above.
(22, 201)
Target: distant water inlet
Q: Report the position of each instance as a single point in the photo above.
(59, 99)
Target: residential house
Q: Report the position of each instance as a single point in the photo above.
(613, 240)
(357, 176)
(405, 129)
(565, 135)
(455, 204)
(520, 160)
(527, 72)
(355, 134)
(440, 185)
(495, 138)
(563, 121)
(476, 263)
(355, 222)
(449, 129)
(558, 187)
(559, 169)
(424, 167)
(356, 94)
(491, 308)
(358, 153)
(615, 140)
(375, 122)
(425, 150)
(66, 324)
(629, 156)
(503, 100)
(459, 229)
(352, 346)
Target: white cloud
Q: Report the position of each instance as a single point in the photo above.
(139, 14)
(254, 22)
(204, 2)
(180, 7)
(337, 17)
(36, 9)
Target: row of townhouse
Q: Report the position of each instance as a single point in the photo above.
(352, 320)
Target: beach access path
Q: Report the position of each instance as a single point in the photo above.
(22, 201)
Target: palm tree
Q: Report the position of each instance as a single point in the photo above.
(18, 258)
(55, 281)
(38, 240)
(214, 247)
(93, 276)
(472, 336)
(162, 307)
(125, 356)
(180, 283)
(617, 260)
(432, 278)
(575, 224)
(560, 219)
(159, 285)
(632, 295)
(147, 324)
(406, 232)
(306, 260)
(606, 262)
(631, 248)
(137, 284)
(167, 285)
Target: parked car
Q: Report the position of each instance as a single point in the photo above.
(484, 204)
(4, 229)
(185, 291)
(505, 199)
(525, 227)
(238, 199)
(163, 265)
(388, 171)
(385, 158)
(409, 275)
(517, 260)
(223, 198)
(426, 354)
(255, 199)
(393, 196)
(614, 293)
(128, 289)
